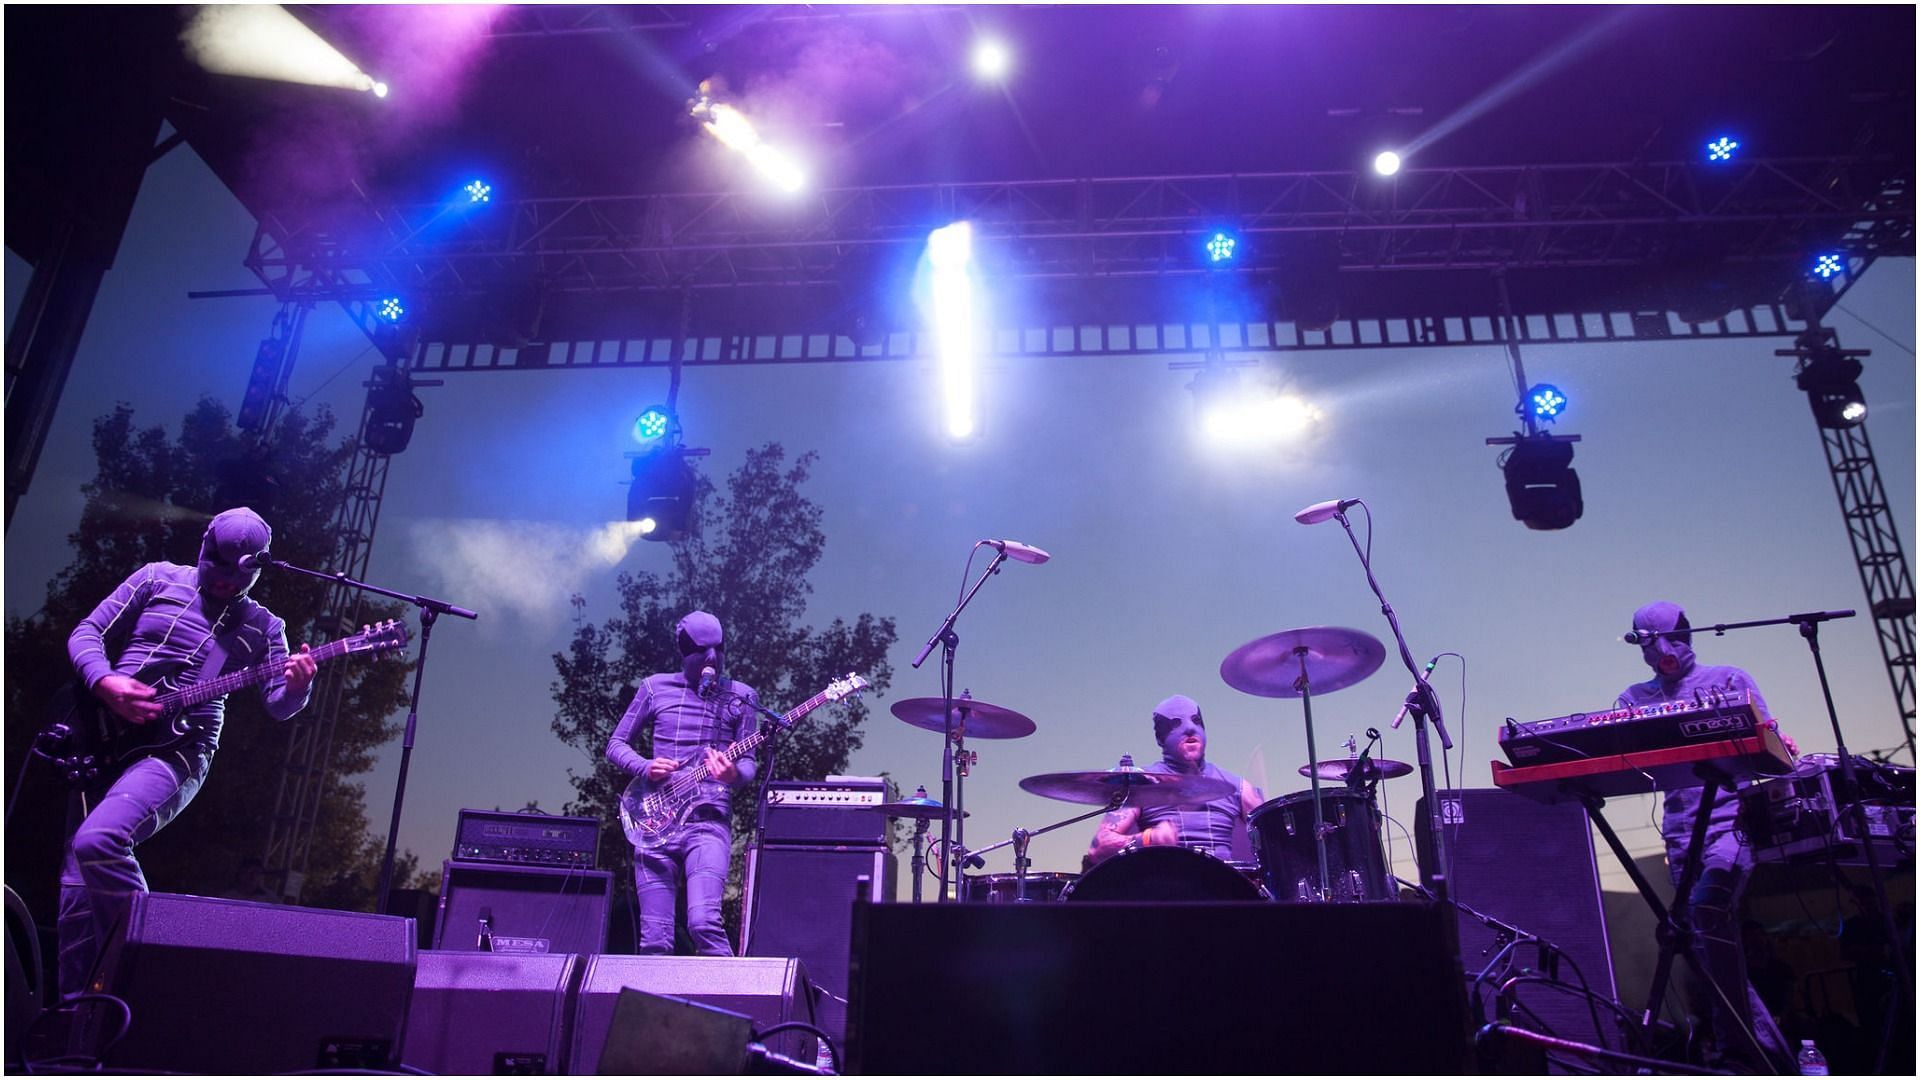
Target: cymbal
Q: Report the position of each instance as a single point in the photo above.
(1336, 658)
(972, 718)
(918, 809)
(1376, 769)
(1143, 788)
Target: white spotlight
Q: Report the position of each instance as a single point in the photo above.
(992, 59)
(731, 127)
(950, 250)
(379, 89)
(264, 41)
(1386, 163)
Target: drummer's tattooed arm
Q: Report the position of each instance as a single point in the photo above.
(1116, 831)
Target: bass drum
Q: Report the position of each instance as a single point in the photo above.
(1005, 888)
(1163, 873)
(1282, 834)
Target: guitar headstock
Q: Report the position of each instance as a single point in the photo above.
(391, 634)
(847, 687)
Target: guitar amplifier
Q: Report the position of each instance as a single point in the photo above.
(837, 810)
(526, 839)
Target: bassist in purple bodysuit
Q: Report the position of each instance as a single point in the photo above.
(167, 615)
(689, 728)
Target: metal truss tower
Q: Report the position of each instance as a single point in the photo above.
(1871, 529)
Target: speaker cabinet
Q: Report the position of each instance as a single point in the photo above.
(1171, 988)
(770, 991)
(531, 909)
(799, 902)
(478, 1013)
(1530, 865)
(231, 986)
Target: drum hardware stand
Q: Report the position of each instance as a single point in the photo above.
(1319, 823)
(1020, 838)
(951, 826)
(919, 854)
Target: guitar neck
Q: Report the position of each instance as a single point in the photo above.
(199, 693)
(742, 747)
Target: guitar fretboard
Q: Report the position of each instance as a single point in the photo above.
(188, 696)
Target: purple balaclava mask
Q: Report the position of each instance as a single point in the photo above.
(1177, 727)
(231, 534)
(1669, 657)
(701, 645)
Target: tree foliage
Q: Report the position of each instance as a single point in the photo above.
(149, 501)
(749, 567)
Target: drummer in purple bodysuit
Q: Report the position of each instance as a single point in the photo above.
(1209, 827)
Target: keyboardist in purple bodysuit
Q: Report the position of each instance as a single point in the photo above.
(1182, 735)
(1726, 862)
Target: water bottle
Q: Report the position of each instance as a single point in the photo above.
(1812, 1061)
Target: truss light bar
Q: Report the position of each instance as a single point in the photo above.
(950, 250)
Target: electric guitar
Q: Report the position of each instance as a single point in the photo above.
(652, 811)
(88, 743)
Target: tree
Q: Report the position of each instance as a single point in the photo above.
(149, 501)
(761, 540)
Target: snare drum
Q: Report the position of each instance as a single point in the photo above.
(1163, 873)
(1004, 889)
(1282, 834)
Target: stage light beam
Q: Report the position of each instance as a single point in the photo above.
(264, 41)
(737, 133)
(950, 251)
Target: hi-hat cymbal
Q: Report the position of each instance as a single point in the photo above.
(1375, 769)
(916, 808)
(1142, 788)
(1336, 658)
(972, 718)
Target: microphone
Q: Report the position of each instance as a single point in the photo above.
(1408, 704)
(258, 561)
(1321, 511)
(1640, 637)
(1020, 552)
(707, 680)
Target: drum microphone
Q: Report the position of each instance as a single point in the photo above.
(1408, 704)
(1321, 511)
(1019, 552)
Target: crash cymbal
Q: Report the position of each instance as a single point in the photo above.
(1375, 769)
(1336, 657)
(972, 718)
(1142, 788)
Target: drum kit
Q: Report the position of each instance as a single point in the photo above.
(1309, 846)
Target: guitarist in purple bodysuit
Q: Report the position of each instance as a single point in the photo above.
(689, 727)
(168, 615)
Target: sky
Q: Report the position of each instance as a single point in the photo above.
(1702, 471)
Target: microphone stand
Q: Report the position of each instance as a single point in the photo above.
(430, 609)
(950, 642)
(1423, 705)
(1809, 624)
